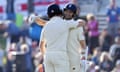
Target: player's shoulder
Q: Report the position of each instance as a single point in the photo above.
(80, 20)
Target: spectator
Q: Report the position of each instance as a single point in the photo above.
(23, 59)
(86, 34)
(10, 7)
(35, 50)
(117, 67)
(1, 61)
(26, 50)
(13, 32)
(22, 40)
(115, 49)
(24, 30)
(35, 32)
(113, 17)
(118, 32)
(106, 63)
(2, 27)
(96, 55)
(10, 57)
(93, 32)
(105, 40)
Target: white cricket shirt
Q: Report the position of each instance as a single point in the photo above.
(73, 46)
(55, 32)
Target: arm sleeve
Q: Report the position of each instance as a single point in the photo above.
(81, 33)
(72, 24)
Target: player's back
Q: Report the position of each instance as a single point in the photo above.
(56, 33)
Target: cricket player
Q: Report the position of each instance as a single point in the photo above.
(76, 46)
(54, 36)
(77, 50)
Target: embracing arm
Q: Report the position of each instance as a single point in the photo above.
(42, 46)
(82, 41)
(40, 21)
(42, 42)
(75, 24)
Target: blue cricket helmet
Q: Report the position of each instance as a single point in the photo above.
(53, 10)
(71, 7)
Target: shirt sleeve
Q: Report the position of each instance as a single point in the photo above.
(72, 24)
(81, 33)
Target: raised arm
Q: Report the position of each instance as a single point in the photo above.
(75, 24)
(40, 21)
(33, 18)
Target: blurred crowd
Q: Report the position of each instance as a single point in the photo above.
(22, 52)
(104, 46)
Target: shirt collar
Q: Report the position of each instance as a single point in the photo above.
(56, 17)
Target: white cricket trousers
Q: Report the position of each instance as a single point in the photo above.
(56, 62)
(74, 63)
(76, 67)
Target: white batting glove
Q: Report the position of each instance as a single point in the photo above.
(83, 59)
(84, 65)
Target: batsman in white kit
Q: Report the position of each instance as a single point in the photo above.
(55, 37)
(77, 50)
(76, 46)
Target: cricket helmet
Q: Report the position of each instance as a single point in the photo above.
(71, 7)
(53, 10)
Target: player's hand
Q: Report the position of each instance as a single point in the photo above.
(32, 18)
(84, 65)
(81, 22)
